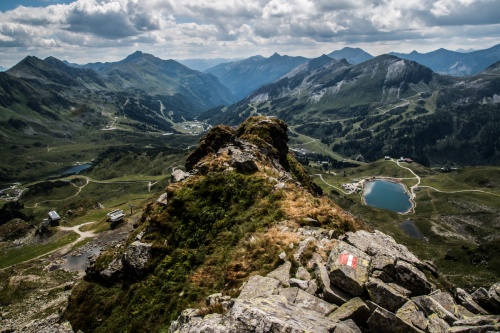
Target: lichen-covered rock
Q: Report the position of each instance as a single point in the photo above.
(384, 295)
(273, 314)
(310, 302)
(355, 309)
(383, 321)
(178, 176)
(473, 329)
(51, 324)
(282, 274)
(258, 286)
(294, 282)
(437, 325)
(303, 274)
(113, 271)
(348, 268)
(465, 299)
(482, 297)
(374, 243)
(163, 199)
(302, 248)
(429, 306)
(479, 321)
(411, 278)
(352, 326)
(410, 313)
(312, 287)
(244, 162)
(328, 292)
(137, 256)
(444, 299)
(385, 264)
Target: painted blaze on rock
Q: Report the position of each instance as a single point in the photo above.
(348, 268)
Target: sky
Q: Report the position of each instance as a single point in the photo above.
(83, 31)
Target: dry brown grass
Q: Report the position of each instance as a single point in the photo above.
(300, 204)
(258, 254)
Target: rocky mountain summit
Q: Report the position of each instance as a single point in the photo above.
(244, 223)
(368, 284)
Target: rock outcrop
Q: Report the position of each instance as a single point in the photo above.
(379, 290)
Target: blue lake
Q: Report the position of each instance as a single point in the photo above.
(75, 169)
(387, 195)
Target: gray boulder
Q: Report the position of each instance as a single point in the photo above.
(178, 176)
(137, 256)
(479, 321)
(488, 299)
(259, 286)
(328, 292)
(347, 327)
(409, 277)
(429, 306)
(355, 309)
(273, 314)
(494, 294)
(303, 274)
(444, 299)
(466, 300)
(312, 288)
(385, 264)
(374, 243)
(383, 321)
(410, 313)
(473, 329)
(307, 301)
(113, 271)
(299, 283)
(244, 162)
(282, 274)
(437, 325)
(163, 199)
(384, 295)
(352, 326)
(303, 245)
(348, 268)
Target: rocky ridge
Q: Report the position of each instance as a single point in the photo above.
(368, 284)
(245, 212)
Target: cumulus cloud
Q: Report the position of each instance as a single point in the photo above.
(242, 25)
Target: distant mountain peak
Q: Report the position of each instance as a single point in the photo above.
(352, 55)
(275, 55)
(138, 55)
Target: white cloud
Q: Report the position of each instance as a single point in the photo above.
(242, 28)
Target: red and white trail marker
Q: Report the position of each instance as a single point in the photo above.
(348, 259)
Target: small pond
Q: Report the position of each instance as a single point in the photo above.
(75, 169)
(387, 195)
(411, 229)
(79, 262)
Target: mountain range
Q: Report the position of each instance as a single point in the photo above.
(244, 76)
(455, 63)
(384, 106)
(46, 91)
